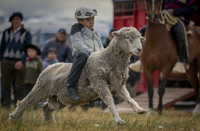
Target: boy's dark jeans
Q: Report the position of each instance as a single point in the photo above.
(79, 60)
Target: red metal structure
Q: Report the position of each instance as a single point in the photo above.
(133, 13)
(129, 13)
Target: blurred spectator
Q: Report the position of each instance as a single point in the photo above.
(110, 37)
(12, 58)
(33, 66)
(64, 50)
(133, 79)
(51, 58)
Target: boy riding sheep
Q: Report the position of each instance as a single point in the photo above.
(84, 41)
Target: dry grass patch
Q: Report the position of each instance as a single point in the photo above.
(93, 119)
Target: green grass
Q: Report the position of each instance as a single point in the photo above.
(94, 120)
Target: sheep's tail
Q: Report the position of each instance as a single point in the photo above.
(36, 95)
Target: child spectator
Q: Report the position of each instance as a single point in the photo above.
(51, 58)
(84, 41)
(33, 66)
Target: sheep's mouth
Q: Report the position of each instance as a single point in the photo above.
(137, 52)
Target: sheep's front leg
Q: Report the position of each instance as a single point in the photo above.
(124, 94)
(101, 88)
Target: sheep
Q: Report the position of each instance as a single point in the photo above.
(105, 72)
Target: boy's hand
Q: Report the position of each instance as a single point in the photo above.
(18, 65)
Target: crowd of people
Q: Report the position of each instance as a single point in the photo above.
(22, 61)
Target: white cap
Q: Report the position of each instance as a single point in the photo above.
(85, 12)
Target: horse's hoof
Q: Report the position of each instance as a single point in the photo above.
(159, 113)
(149, 112)
(196, 110)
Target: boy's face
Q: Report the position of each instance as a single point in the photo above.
(31, 53)
(88, 22)
(52, 55)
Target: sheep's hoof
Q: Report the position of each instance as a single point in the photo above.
(119, 121)
(12, 118)
(141, 112)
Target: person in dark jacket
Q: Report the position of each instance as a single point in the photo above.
(110, 37)
(12, 58)
(51, 59)
(64, 50)
(133, 79)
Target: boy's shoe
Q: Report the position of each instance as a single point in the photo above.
(71, 92)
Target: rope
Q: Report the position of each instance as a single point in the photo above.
(166, 18)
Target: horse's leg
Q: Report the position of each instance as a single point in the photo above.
(197, 109)
(102, 89)
(161, 90)
(36, 95)
(123, 93)
(149, 76)
(49, 107)
(193, 79)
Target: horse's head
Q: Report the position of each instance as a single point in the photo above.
(153, 8)
(129, 40)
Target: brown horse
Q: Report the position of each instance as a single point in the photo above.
(160, 53)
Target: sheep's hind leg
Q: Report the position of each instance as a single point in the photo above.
(124, 94)
(35, 96)
(101, 88)
(49, 107)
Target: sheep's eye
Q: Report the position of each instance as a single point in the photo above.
(128, 38)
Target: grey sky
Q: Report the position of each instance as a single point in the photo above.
(59, 8)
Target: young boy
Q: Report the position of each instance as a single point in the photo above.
(51, 57)
(33, 66)
(84, 41)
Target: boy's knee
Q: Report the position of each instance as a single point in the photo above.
(84, 55)
(176, 27)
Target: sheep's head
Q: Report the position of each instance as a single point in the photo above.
(129, 40)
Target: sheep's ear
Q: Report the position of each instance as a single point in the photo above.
(142, 38)
(115, 33)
